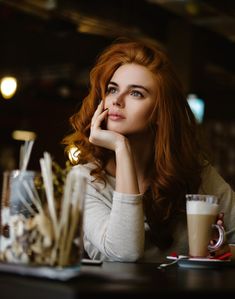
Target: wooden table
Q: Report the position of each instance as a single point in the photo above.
(129, 280)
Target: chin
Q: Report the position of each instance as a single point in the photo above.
(115, 130)
(114, 127)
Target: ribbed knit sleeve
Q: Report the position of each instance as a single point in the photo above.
(113, 223)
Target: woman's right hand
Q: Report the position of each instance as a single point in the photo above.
(126, 179)
(101, 137)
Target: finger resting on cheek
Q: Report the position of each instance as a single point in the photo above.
(101, 104)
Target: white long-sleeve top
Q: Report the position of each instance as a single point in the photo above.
(115, 227)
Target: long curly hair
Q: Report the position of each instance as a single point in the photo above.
(178, 157)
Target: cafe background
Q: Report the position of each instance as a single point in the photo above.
(49, 46)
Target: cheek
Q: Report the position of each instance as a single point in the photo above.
(107, 102)
(144, 115)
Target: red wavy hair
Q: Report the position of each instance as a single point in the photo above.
(179, 159)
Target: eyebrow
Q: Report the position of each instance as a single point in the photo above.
(132, 86)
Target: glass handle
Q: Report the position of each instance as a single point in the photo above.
(220, 240)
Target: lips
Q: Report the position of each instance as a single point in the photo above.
(115, 116)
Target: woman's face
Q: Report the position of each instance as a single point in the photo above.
(130, 97)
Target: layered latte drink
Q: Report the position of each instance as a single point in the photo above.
(202, 211)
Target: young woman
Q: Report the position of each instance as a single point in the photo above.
(140, 153)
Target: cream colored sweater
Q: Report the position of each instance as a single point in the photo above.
(114, 226)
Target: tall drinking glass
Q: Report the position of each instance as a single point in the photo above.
(202, 211)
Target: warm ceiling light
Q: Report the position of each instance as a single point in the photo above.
(192, 8)
(24, 135)
(8, 87)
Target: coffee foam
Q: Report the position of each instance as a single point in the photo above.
(201, 207)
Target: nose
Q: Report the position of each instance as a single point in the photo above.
(118, 100)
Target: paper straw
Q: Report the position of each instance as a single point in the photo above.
(32, 196)
(48, 182)
(63, 225)
(79, 185)
(26, 204)
(26, 154)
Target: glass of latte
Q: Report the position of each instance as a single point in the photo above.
(202, 211)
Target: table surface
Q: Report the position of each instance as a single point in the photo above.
(113, 279)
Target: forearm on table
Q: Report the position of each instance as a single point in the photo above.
(118, 233)
(124, 237)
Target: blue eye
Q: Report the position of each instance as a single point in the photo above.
(137, 94)
(111, 90)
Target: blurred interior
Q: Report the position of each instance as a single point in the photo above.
(51, 45)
